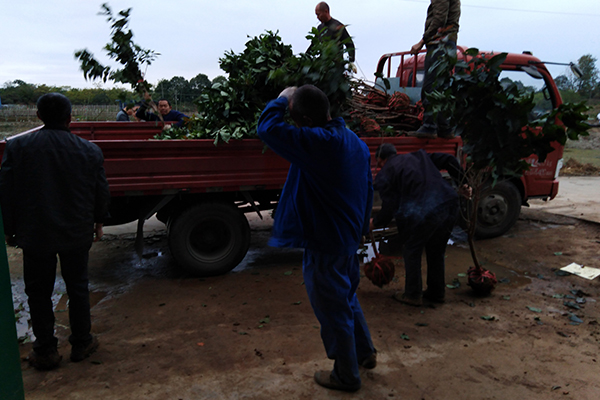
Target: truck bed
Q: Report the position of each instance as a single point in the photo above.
(138, 165)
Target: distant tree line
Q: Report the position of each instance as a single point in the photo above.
(182, 93)
(586, 87)
(179, 91)
(23, 93)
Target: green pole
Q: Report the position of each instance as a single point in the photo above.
(11, 379)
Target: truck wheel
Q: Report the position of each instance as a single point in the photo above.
(499, 209)
(209, 239)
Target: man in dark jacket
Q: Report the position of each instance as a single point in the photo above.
(165, 110)
(332, 28)
(425, 207)
(441, 34)
(325, 208)
(54, 197)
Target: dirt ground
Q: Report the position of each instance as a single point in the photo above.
(251, 334)
(591, 141)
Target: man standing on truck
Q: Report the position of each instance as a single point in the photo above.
(325, 208)
(54, 197)
(440, 37)
(165, 110)
(334, 29)
(425, 208)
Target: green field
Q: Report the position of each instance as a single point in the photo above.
(584, 156)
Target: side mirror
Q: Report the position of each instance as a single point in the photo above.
(576, 70)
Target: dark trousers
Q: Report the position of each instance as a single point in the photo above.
(431, 234)
(331, 283)
(39, 273)
(438, 79)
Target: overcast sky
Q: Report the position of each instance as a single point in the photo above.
(40, 37)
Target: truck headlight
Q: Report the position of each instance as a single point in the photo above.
(559, 165)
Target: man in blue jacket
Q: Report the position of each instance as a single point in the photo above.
(325, 208)
(54, 197)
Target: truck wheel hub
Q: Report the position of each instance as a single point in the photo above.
(493, 209)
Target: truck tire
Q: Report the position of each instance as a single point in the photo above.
(209, 239)
(499, 209)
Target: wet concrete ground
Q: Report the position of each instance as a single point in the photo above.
(149, 315)
(252, 334)
(578, 197)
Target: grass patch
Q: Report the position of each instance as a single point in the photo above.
(8, 129)
(583, 156)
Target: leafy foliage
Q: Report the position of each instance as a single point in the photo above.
(123, 50)
(494, 120)
(323, 66)
(230, 108)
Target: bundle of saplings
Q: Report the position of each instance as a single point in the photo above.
(230, 108)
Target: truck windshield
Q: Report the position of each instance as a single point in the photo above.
(543, 104)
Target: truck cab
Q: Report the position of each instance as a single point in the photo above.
(500, 206)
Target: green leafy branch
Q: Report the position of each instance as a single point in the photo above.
(230, 108)
(123, 50)
(495, 122)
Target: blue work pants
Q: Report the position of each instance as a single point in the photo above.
(331, 282)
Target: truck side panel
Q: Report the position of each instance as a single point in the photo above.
(146, 167)
(137, 165)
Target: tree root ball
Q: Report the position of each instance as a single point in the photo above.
(380, 270)
(481, 280)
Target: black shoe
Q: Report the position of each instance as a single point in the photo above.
(80, 353)
(424, 132)
(325, 379)
(415, 301)
(369, 362)
(44, 362)
(433, 297)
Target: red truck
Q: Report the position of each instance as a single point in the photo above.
(199, 190)
(500, 206)
(202, 191)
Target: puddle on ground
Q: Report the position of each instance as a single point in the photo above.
(117, 268)
(269, 256)
(59, 303)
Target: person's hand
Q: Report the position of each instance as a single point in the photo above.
(147, 96)
(466, 191)
(98, 232)
(417, 47)
(288, 92)
(371, 226)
